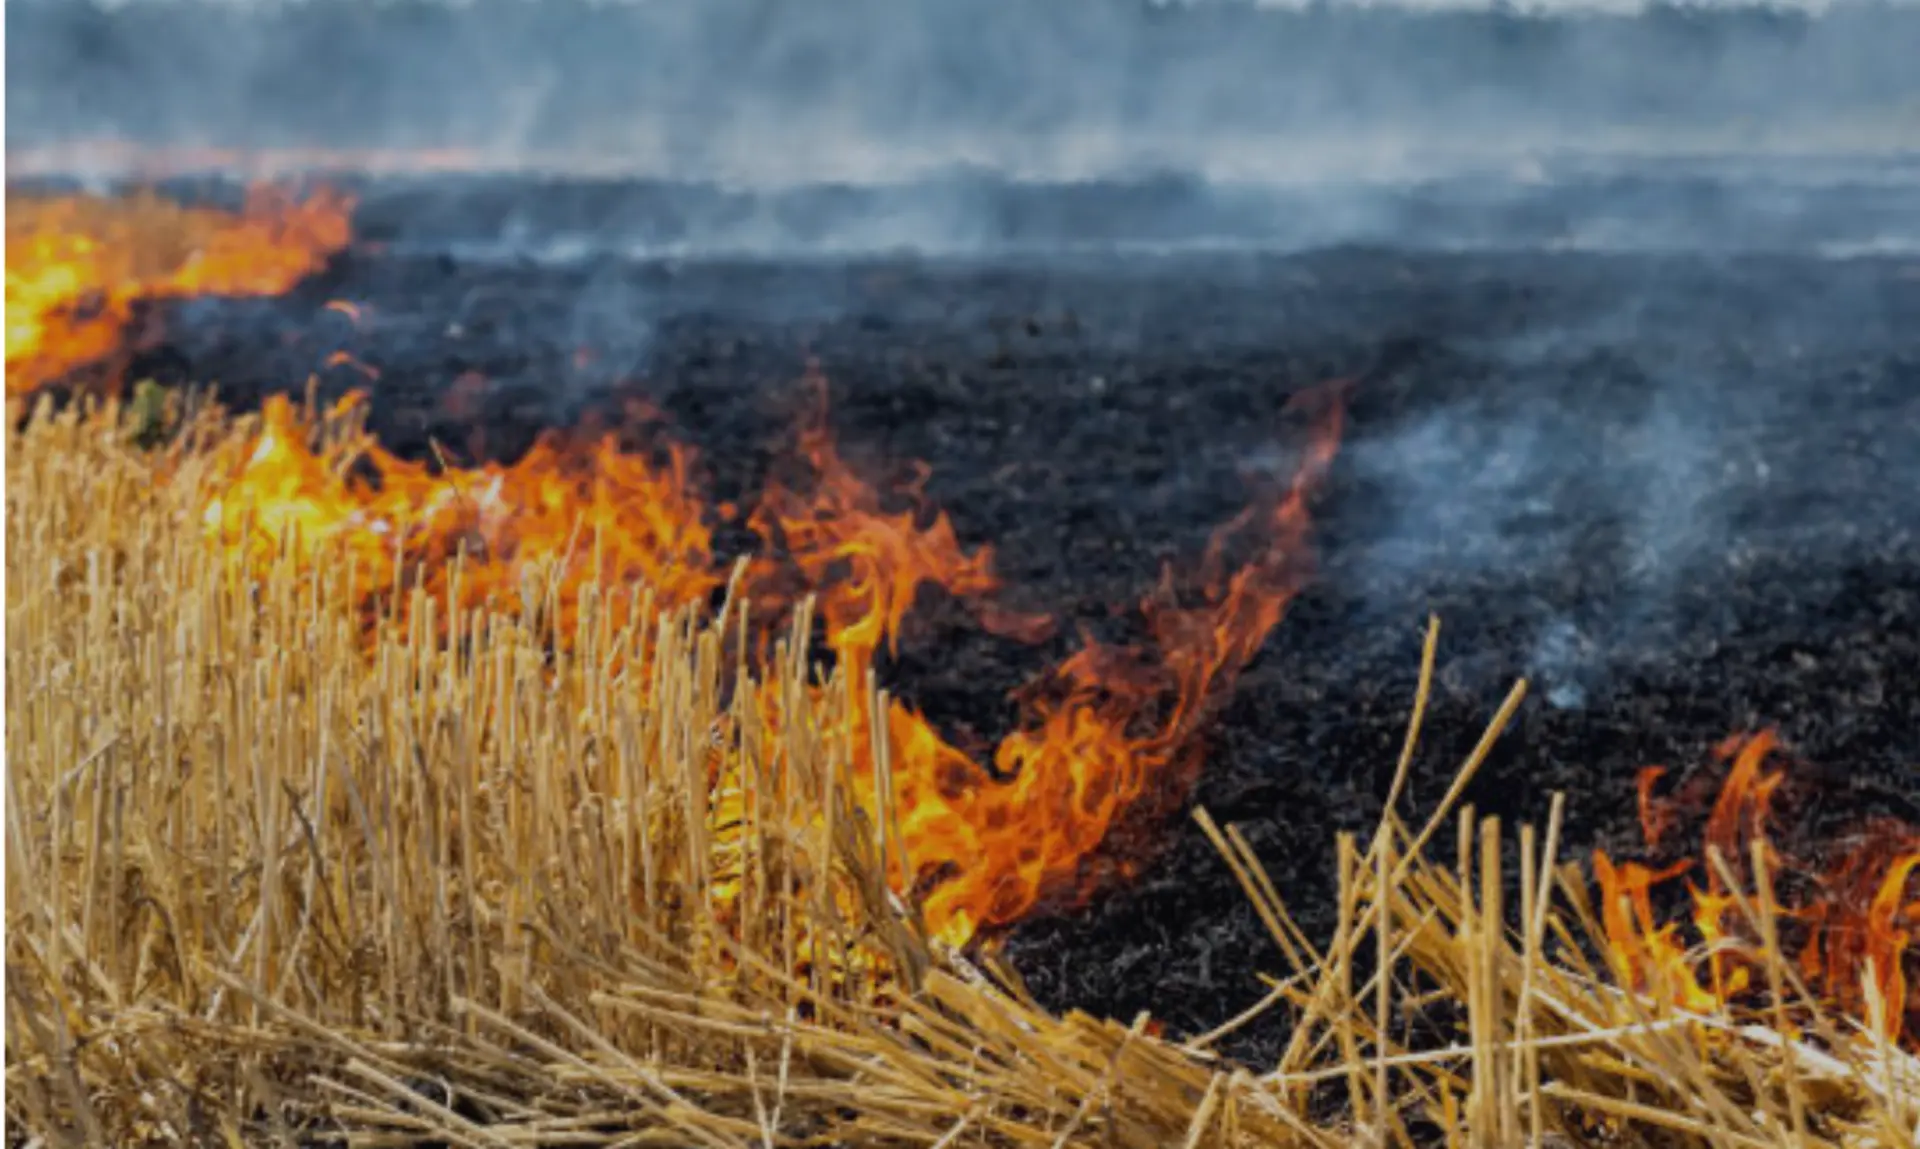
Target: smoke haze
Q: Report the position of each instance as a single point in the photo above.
(959, 126)
(872, 91)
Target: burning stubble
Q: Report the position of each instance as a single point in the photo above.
(981, 846)
(1110, 735)
(453, 875)
(77, 267)
(771, 818)
(1109, 729)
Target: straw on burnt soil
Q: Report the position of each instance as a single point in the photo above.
(276, 879)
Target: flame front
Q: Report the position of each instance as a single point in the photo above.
(1111, 729)
(1857, 923)
(78, 265)
(1109, 734)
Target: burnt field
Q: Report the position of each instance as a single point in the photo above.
(1674, 488)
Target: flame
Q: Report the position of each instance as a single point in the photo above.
(596, 515)
(1859, 919)
(1655, 817)
(866, 564)
(1644, 953)
(1109, 735)
(1867, 931)
(1110, 732)
(347, 360)
(78, 265)
(1111, 728)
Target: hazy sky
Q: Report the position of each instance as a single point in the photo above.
(1516, 5)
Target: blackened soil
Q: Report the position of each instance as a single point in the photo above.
(1679, 493)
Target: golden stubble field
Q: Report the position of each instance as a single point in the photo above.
(281, 870)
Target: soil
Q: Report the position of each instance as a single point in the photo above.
(1676, 491)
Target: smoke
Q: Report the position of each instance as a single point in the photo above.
(874, 90)
(969, 125)
(1626, 482)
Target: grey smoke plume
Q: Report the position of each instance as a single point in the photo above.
(868, 125)
(867, 89)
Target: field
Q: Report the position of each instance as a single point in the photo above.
(811, 699)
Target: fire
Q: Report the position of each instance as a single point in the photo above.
(1108, 735)
(1101, 734)
(1857, 922)
(592, 515)
(78, 265)
(1111, 728)
(1867, 930)
(866, 564)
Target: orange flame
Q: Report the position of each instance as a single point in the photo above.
(1110, 734)
(1644, 953)
(1859, 920)
(1867, 931)
(867, 564)
(77, 266)
(598, 515)
(1655, 818)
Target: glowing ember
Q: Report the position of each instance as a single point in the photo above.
(77, 265)
(1858, 921)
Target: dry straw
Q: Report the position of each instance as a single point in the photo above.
(273, 882)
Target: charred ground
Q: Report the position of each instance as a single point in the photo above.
(1675, 490)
